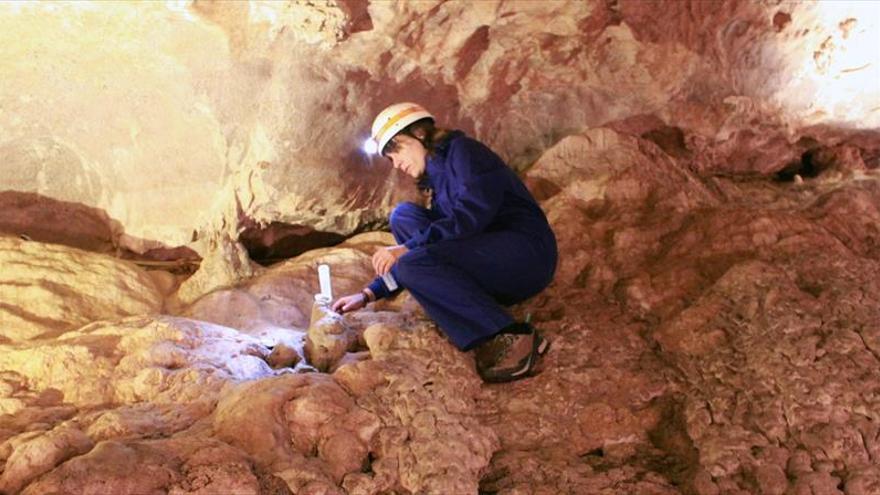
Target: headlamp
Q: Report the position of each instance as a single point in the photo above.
(370, 146)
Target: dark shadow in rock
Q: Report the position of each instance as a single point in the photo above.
(669, 139)
(780, 20)
(682, 459)
(35, 217)
(807, 167)
(367, 467)
(489, 482)
(595, 453)
(542, 189)
(471, 50)
(44, 219)
(279, 241)
(358, 16)
(812, 288)
(50, 397)
(271, 484)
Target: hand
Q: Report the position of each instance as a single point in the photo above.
(352, 302)
(386, 257)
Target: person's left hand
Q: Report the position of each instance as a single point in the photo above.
(386, 257)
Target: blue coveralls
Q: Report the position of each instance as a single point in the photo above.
(483, 243)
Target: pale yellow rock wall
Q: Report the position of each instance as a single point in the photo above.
(179, 118)
(102, 105)
(46, 289)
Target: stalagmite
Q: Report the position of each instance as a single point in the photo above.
(329, 338)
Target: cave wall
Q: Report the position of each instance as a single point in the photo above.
(181, 119)
(711, 171)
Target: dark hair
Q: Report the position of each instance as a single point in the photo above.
(432, 135)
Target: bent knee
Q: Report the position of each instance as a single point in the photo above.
(404, 269)
(404, 212)
(414, 267)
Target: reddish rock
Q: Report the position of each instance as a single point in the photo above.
(710, 170)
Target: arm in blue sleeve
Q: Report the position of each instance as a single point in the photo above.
(377, 286)
(479, 197)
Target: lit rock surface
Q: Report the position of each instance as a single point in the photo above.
(736, 320)
(251, 114)
(139, 359)
(710, 170)
(46, 288)
(179, 405)
(277, 305)
(710, 335)
(328, 338)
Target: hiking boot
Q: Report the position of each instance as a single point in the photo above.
(508, 356)
(543, 344)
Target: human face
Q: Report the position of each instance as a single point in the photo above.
(408, 155)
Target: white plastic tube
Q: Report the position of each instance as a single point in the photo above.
(324, 280)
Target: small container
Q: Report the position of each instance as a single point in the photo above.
(390, 283)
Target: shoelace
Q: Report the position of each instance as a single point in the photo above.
(507, 341)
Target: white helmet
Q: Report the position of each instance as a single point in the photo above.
(391, 121)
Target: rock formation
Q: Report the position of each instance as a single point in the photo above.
(711, 170)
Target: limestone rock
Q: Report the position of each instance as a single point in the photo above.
(710, 170)
(47, 289)
(328, 339)
(258, 407)
(436, 444)
(283, 356)
(601, 173)
(190, 465)
(268, 101)
(41, 454)
(279, 299)
(317, 432)
(773, 332)
(224, 264)
(59, 222)
(143, 420)
(709, 334)
(165, 359)
(735, 285)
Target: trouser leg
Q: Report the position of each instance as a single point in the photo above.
(459, 283)
(451, 297)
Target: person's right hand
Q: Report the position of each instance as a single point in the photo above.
(352, 302)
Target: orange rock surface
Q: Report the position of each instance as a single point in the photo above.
(172, 174)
